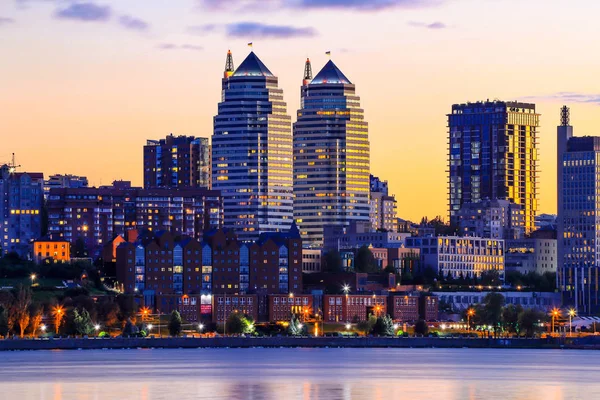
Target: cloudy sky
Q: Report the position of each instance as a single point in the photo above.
(84, 84)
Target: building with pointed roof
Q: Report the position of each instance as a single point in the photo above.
(331, 155)
(252, 151)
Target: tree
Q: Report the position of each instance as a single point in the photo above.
(510, 318)
(491, 277)
(130, 329)
(58, 312)
(37, 313)
(492, 309)
(79, 249)
(528, 320)
(421, 327)
(389, 269)
(365, 261)
(3, 322)
(175, 324)
(83, 322)
(384, 326)
(20, 308)
(332, 262)
(366, 326)
(296, 328)
(238, 323)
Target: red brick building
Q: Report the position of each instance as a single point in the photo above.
(225, 304)
(281, 308)
(353, 307)
(404, 308)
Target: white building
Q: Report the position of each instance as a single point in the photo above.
(460, 256)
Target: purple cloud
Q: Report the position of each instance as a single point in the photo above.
(6, 21)
(133, 23)
(568, 97)
(361, 5)
(433, 25)
(201, 29)
(173, 46)
(258, 30)
(87, 12)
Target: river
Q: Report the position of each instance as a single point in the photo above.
(269, 374)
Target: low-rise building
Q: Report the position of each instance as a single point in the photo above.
(542, 301)
(410, 307)
(311, 260)
(537, 253)
(281, 308)
(460, 256)
(359, 234)
(51, 251)
(493, 219)
(226, 304)
(353, 307)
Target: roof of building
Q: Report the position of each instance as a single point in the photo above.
(330, 73)
(252, 66)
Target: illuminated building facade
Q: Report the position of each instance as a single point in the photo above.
(97, 215)
(331, 155)
(458, 257)
(21, 200)
(177, 162)
(578, 223)
(493, 155)
(51, 251)
(252, 151)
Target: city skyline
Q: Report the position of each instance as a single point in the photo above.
(71, 93)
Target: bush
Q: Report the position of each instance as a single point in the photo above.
(421, 327)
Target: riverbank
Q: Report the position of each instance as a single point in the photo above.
(592, 343)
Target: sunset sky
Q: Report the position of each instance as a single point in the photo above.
(84, 84)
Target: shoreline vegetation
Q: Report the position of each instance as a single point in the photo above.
(582, 343)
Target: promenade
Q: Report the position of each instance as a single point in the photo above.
(590, 342)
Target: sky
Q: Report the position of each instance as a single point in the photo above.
(83, 84)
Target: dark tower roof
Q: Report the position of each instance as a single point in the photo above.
(330, 74)
(229, 65)
(252, 66)
(565, 116)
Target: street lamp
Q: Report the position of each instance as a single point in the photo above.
(470, 313)
(200, 327)
(555, 313)
(43, 328)
(348, 326)
(572, 313)
(32, 278)
(58, 313)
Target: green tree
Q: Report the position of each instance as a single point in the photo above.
(332, 262)
(175, 323)
(238, 323)
(365, 261)
(384, 326)
(421, 327)
(365, 327)
(296, 328)
(82, 322)
(510, 318)
(528, 321)
(493, 304)
(491, 277)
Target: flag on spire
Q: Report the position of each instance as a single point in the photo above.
(328, 53)
(250, 44)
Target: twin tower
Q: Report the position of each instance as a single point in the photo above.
(269, 177)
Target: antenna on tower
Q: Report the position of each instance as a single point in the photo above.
(565, 116)
(13, 165)
(307, 73)
(229, 69)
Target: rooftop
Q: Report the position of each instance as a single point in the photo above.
(252, 66)
(330, 73)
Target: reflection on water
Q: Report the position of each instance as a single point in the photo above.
(269, 374)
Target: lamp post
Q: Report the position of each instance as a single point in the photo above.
(572, 313)
(97, 329)
(200, 328)
(470, 313)
(555, 313)
(33, 276)
(346, 290)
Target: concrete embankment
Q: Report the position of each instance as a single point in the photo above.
(241, 342)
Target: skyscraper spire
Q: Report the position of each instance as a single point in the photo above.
(307, 73)
(228, 65)
(565, 116)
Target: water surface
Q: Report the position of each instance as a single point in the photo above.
(268, 374)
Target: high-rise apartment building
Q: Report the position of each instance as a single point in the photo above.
(383, 212)
(493, 155)
(493, 219)
(97, 215)
(21, 200)
(578, 224)
(252, 151)
(59, 181)
(177, 162)
(331, 154)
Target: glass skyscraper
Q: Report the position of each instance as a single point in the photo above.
(331, 155)
(578, 221)
(493, 155)
(252, 151)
